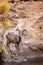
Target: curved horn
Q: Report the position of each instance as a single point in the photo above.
(18, 30)
(24, 31)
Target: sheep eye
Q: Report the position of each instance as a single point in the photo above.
(24, 32)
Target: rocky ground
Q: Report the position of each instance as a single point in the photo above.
(27, 22)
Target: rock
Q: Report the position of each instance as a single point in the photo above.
(23, 18)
